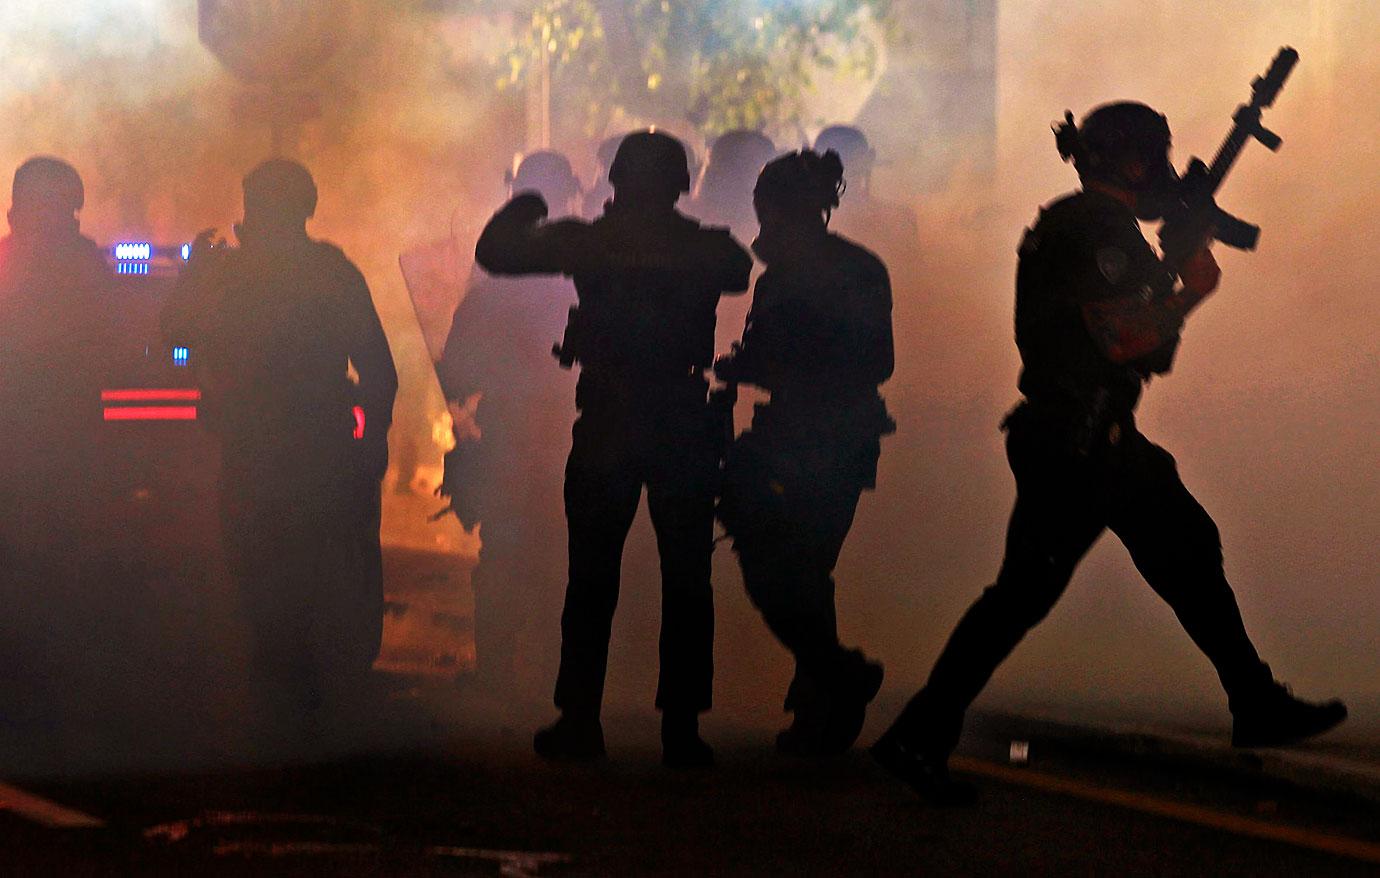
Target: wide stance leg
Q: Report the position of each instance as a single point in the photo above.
(1055, 521)
(1176, 547)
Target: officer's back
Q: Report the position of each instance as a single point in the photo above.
(54, 319)
(55, 339)
(275, 325)
(648, 278)
(648, 282)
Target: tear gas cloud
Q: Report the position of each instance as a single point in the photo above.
(1272, 408)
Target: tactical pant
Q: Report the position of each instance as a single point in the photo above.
(788, 534)
(1063, 503)
(616, 451)
(303, 549)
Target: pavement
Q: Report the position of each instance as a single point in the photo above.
(449, 791)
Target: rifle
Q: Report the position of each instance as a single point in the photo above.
(1194, 217)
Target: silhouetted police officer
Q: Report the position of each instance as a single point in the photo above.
(723, 195)
(275, 327)
(819, 340)
(890, 229)
(55, 333)
(649, 281)
(1090, 337)
(505, 470)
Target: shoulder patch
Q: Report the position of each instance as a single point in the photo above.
(1112, 262)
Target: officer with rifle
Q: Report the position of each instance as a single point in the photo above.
(1098, 313)
(648, 280)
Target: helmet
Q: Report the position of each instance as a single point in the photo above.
(802, 181)
(851, 145)
(607, 149)
(547, 172)
(724, 194)
(280, 188)
(735, 154)
(650, 158)
(1113, 134)
(49, 182)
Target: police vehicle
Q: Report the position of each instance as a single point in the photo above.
(160, 464)
(164, 466)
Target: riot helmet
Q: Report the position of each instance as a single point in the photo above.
(46, 195)
(804, 183)
(851, 144)
(651, 163)
(1125, 144)
(279, 192)
(549, 174)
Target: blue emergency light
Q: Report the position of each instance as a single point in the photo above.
(180, 356)
(132, 268)
(129, 251)
(186, 252)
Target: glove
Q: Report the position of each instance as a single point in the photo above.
(1200, 274)
(526, 208)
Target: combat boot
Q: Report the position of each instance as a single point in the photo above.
(1273, 717)
(681, 744)
(857, 683)
(926, 773)
(809, 710)
(571, 738)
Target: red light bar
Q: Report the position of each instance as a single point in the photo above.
(358, 412)
(151, 413)
(142, 394)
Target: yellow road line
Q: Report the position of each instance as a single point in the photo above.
(1340, 845)
(43, 812)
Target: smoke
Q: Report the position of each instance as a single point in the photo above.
(1272, 409)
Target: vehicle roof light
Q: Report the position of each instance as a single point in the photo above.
(133, 250)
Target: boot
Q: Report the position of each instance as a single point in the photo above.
(681, 744)
(1273, 717)
(857, 683)
(926, 773)
(571, 738)
(808, 707)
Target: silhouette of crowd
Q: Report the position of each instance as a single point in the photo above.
(298, 385)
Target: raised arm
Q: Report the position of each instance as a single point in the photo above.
(518, 240)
